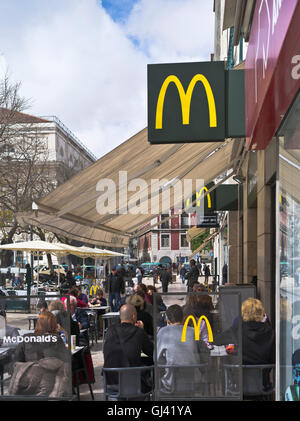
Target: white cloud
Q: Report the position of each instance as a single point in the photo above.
(77, 63)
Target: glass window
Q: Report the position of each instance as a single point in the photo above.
(165, 240)
(183, 241)
(289, 252)
(166, 224)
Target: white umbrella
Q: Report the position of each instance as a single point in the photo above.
(38, 247)
(95, 252)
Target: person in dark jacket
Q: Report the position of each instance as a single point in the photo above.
(124, 343)
(165, 278)
(116, 287)
(258, 337)
(192, 275)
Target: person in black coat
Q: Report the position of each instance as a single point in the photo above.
(125, 342)
(258, 337)
(192, 275)
(116, 287)
(138, 302)
(165, 279)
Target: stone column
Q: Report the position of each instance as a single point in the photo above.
(264, 236)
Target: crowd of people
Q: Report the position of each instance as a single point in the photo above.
(131, 342)
(125, 342)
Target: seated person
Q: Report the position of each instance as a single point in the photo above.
(99, 299)
(58, 309)
(159, 301)
(42, 363)
(75, 292)
(42, 306)
(125, 342)
(172, 351)
(258, 337)
(81, 318)
(82, 296)
(145, 294)
(138, 302)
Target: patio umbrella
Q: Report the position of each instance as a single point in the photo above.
(38, 247)
(95, 252)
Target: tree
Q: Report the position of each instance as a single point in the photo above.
(25, 175)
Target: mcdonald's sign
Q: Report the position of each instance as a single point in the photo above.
(186, 102)
(197, 328)
(94, 289)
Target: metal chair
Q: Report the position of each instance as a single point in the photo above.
(92, 330)
(182, 381)
(258, 381)
(129, 383)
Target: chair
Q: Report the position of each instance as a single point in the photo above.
(258, 381)
(130, 385)
(182, 381)
(92, 330)
(79, 369)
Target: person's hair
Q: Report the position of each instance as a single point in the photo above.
(46, 323)
(152, 288)
(143, 287)
(56, 305)
(135, 300)
(74, 291)
(252, 310)
(42, 304)
(193, 262)
(127, 311)
(175, 313)
(73, 301)
(201, 301)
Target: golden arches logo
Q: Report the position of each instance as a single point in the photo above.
(185, 99)
(94, 289)
(199, 195)
(197, 328)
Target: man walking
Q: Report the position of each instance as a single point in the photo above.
(165, 279)
(116, 287)
(192, 275)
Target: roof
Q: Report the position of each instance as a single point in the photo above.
(71, 209)
(16, 117)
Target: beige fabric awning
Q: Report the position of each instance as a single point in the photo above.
(71, 209)
(194, 232)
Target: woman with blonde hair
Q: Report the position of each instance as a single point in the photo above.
(257, 334)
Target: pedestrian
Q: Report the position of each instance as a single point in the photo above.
(116, 287)
(139, 275)
(182, 273)
(224, 274)
(192, 275)
(165, 278)
(206, 273)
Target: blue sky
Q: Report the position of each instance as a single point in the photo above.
(85, 61)
(119, 10)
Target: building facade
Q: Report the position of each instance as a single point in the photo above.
(166, 240)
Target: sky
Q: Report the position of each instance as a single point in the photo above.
(85, 61)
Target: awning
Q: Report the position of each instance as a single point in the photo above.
(194, 232)
(208, 239)
(71, 209)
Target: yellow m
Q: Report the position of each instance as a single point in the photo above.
(197, 328)
(94, 288)
(185, 99)
(198, 196)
